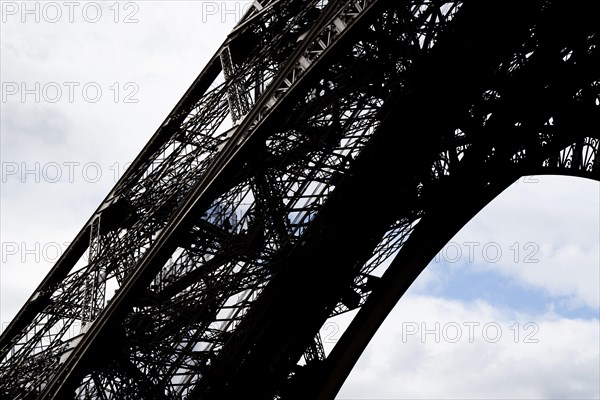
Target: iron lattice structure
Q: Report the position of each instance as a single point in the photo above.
(323, 138)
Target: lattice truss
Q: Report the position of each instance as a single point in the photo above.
(307, 112)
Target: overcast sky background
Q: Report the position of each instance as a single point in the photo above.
(528, 264)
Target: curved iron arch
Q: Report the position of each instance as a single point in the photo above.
(415, 255)
(489, 102)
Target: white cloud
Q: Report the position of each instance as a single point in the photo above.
(563, 364)
(543, 235)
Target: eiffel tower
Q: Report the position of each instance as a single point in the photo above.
(322, 139)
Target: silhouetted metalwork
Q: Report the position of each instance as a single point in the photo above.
(322, 139)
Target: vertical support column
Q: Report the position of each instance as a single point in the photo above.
(238, 104)
(93, 294)
(315, 352)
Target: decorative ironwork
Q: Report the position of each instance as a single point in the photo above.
(320, 143)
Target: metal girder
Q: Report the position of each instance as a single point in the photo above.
(315, 145)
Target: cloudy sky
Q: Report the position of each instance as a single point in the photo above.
(509, 309)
